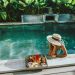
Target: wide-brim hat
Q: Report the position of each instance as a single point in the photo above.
(54, 39)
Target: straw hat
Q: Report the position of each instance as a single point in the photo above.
(54, 39)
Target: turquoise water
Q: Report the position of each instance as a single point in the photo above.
(20, 41)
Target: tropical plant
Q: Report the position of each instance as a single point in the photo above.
(3, 14)
(34, 6)
(29, 6)
(11, 10)
(63, 6)
(40, 5)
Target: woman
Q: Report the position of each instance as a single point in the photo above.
(56, 44)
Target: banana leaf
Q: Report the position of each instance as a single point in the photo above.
(11, 1)
(3, 15)
(29, 1)
(5, 2)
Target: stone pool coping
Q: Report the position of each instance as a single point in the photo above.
(23, 23)
(19, 23)
(18, 65)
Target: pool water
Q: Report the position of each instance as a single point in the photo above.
(20, 41)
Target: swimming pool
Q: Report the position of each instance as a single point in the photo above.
(20, 41)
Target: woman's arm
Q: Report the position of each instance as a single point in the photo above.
(52, 52)
(64, 52)
(64, 49)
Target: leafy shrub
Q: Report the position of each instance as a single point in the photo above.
(11, 10)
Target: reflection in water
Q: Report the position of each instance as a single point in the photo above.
(18, 42)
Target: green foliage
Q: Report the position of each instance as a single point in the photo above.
(67, 3)
(40, 3)
(5, 3)
(63, 6)
(11, 10)
(3, 15)
(34, 6)
(29, 2)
